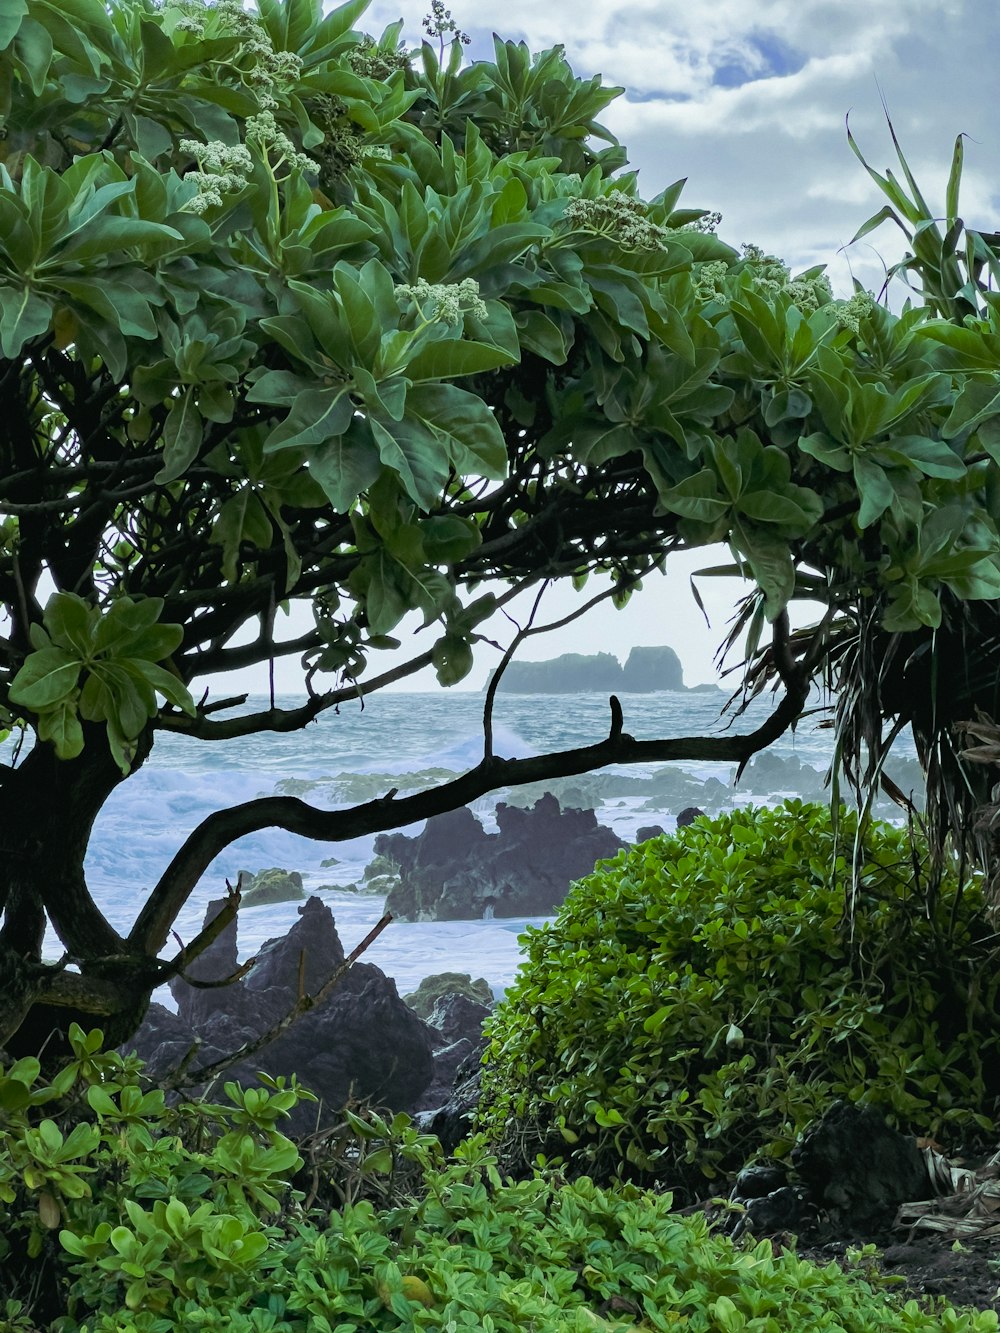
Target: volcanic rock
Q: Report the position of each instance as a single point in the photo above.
(454, 870)
(361, 1041)
(857, 1168)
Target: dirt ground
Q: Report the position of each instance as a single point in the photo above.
(927, 1262)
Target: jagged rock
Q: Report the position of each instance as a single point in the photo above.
(442, 984)
(650, 669)
(360, 1041)
(270, 886)
(453, 1121)
(857, 1168)
(456, 871)
(458, 1016)
(458, 1020)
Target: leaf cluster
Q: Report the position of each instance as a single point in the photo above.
(187, 1220)
(702, 997)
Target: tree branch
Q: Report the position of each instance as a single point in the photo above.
(218, 830)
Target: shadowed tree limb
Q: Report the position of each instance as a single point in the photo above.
(218, 830)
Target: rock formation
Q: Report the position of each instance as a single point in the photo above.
(456, 871)
(361, 1041)
(647, 670)
(270, 886)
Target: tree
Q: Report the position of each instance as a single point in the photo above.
(286, 315)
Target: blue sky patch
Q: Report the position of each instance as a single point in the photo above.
(770, 58)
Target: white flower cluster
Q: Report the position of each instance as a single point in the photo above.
(446, 301)
(618, 216)
(771, 276)
(710, 280)
(264, 130)
(708, 223)
(223, 170)
(852, 312)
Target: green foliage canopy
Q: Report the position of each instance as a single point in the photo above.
(284, 315)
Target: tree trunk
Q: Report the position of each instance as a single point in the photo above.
(47, 812)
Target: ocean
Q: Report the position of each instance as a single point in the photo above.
(359, 752)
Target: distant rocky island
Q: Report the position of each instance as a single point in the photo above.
(647, 670)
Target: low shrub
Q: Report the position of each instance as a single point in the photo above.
(705, 995)
(123, 1215)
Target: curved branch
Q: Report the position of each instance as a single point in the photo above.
(218, 830)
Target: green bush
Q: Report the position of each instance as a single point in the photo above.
(125, 1215)
(701, 998)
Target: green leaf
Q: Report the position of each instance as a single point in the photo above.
(319, 417)
(182, 436)
(462, 423)
(416, 453)
(826, 450)
(452, 658)
(61, 725)
(451, 358)
(978, 401)
(23, 316)
(875, 490)
(785, 510)
(696, 497)
(11, 14)
(345, 466)
(71, 623)
(932, 457)
(46, 677)
(772, 567)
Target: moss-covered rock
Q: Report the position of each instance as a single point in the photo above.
(430, 990)
(271, 886)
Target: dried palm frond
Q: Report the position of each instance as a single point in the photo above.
(968, 1202)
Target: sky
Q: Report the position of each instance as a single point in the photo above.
(747, 99)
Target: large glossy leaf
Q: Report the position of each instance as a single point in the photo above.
(11, 14)
(345, 466)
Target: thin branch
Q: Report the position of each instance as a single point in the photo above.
(531, 629)
(491, 690)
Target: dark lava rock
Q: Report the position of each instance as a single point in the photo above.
(454, 870)
(453, 1121)
(787, 1209)
(857, 1168)
(689, 815)
(456, 1024)
(433, 988)
(649, 831)
(361, 1041)
(754, 1182)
